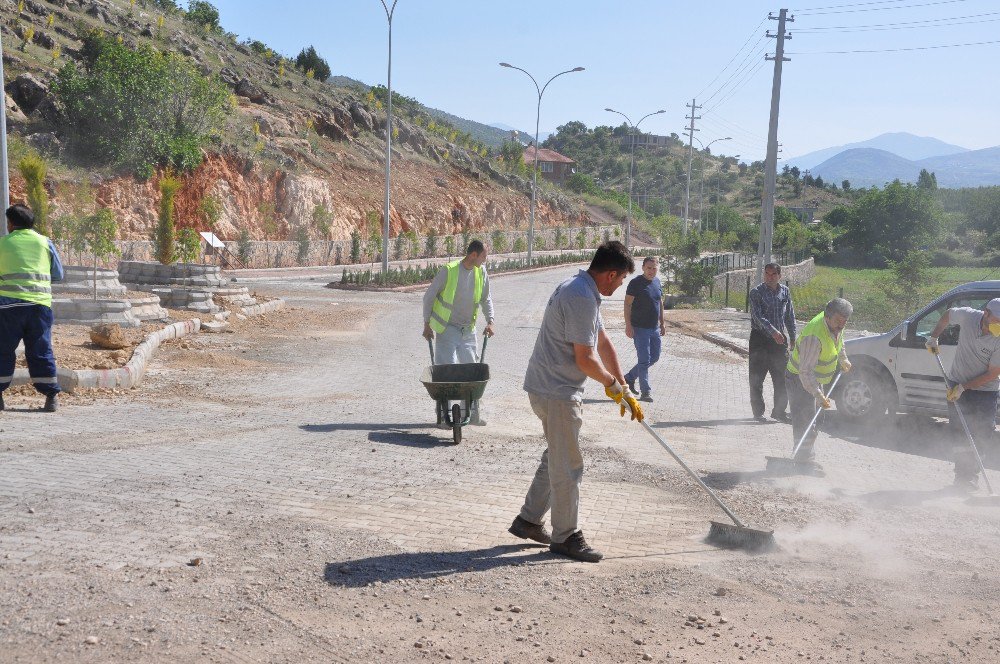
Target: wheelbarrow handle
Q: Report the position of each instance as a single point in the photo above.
(430, 347)
(482, 355)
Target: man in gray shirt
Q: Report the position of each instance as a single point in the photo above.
(974, 376)
(451, 306)
(571, 345)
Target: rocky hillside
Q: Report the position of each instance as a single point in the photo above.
(291, 145)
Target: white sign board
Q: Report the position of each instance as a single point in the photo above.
(211, 239)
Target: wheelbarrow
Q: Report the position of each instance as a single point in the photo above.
(454, 387)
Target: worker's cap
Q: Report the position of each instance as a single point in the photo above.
(993, 306)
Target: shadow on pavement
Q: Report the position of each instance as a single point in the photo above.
(909, 434)
(905, 498)
(430, 565)
(701, 424)
(389, 434)
(728, 480)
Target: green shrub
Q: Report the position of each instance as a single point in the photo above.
(499, 241)
(309, 60)
(135, 107)
(243, 246)
(33, 170)
(355, 246)
(430, 245)
(164, 236)
(188, 245)
(302, 245)
(204, 14)
(95, 234)
(520, 244)
(399, 246)
(449, 245)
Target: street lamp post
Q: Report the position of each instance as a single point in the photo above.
(687, 193)
(534, 168)
(631, 168)
(4, 177)
(388, 142)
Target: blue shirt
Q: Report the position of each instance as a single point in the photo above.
(56, 271)
(572, 316)
(648, 301)
(772, 311)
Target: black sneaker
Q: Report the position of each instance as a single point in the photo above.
(646, 397)
(781, 417)
(527, 530)
(576, 547)
(51, 403)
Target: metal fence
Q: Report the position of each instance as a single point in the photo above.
(744, 261)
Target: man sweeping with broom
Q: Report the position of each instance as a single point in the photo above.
(974, 374)
(811, 366)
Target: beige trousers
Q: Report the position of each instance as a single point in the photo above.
(556, 485)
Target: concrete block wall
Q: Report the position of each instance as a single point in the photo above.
(796, 275)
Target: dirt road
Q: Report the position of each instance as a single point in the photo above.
(282, 497)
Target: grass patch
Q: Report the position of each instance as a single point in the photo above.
(873, 309)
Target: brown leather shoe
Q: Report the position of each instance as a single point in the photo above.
(527, 530)
(576, 547)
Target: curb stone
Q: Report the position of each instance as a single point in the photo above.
(124, 377)
(266, 307)
(718, 339)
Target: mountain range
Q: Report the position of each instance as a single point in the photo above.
(902, 156)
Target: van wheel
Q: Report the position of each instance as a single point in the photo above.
(863, 395)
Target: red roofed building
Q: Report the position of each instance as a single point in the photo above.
(553, 166)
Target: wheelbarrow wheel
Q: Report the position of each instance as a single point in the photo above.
(456, 423)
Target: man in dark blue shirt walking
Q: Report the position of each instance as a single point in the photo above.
(772, 337)
(644, 324)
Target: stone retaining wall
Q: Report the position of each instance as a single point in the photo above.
(176, 274)
(83, 311)
(192, 299)
(79, 280)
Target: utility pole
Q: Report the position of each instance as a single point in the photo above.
(771, 161)
(687, 189)
(4, 175)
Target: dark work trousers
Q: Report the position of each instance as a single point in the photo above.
(33, 324)
(980, 411)
(766, 357)
(803, 406)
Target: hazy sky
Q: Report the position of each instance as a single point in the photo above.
(644, 55)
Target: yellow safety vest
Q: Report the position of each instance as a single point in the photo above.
(829, 352)
(25, 267)
(441, 311)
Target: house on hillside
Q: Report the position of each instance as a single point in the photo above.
(553, 166)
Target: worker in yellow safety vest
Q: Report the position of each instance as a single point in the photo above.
(29, 263)
(811, 367)
(451, 306)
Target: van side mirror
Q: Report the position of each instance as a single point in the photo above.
(905, 332)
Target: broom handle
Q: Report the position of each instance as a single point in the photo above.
(965, 425)
(693, 474)
(816, 416)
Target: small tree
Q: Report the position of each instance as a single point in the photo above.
(399, 246)
(499, 241)
(322, 219)
(559, 238)
(95, 234)
(430, 245)
(164, 236)
(581, 238)
(449, 245)
(302, 245)
(355, 246)
(33, 169)
(520, 244)
(210, 210)
(309, 60)
(204, 14)
(244, 246)
(188, 245)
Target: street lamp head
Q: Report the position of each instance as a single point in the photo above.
(506, 64)
(577, 69)
(659, 111)
(611, 110)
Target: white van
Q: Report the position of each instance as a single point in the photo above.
(894, 373)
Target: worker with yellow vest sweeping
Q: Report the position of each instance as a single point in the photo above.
(451, 306)
(29, 263)
(811, 367)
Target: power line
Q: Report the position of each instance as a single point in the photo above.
(739, 87)
(732, 126)
(744, 65)
(853, 4)
(879, 9)
(719, 75)
(896, 50)
(906, 25)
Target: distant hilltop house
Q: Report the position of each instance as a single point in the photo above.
(553, 166)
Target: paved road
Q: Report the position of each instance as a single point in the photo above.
(306, 479)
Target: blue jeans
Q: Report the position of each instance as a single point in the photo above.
(33, 324)
(647, 350)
